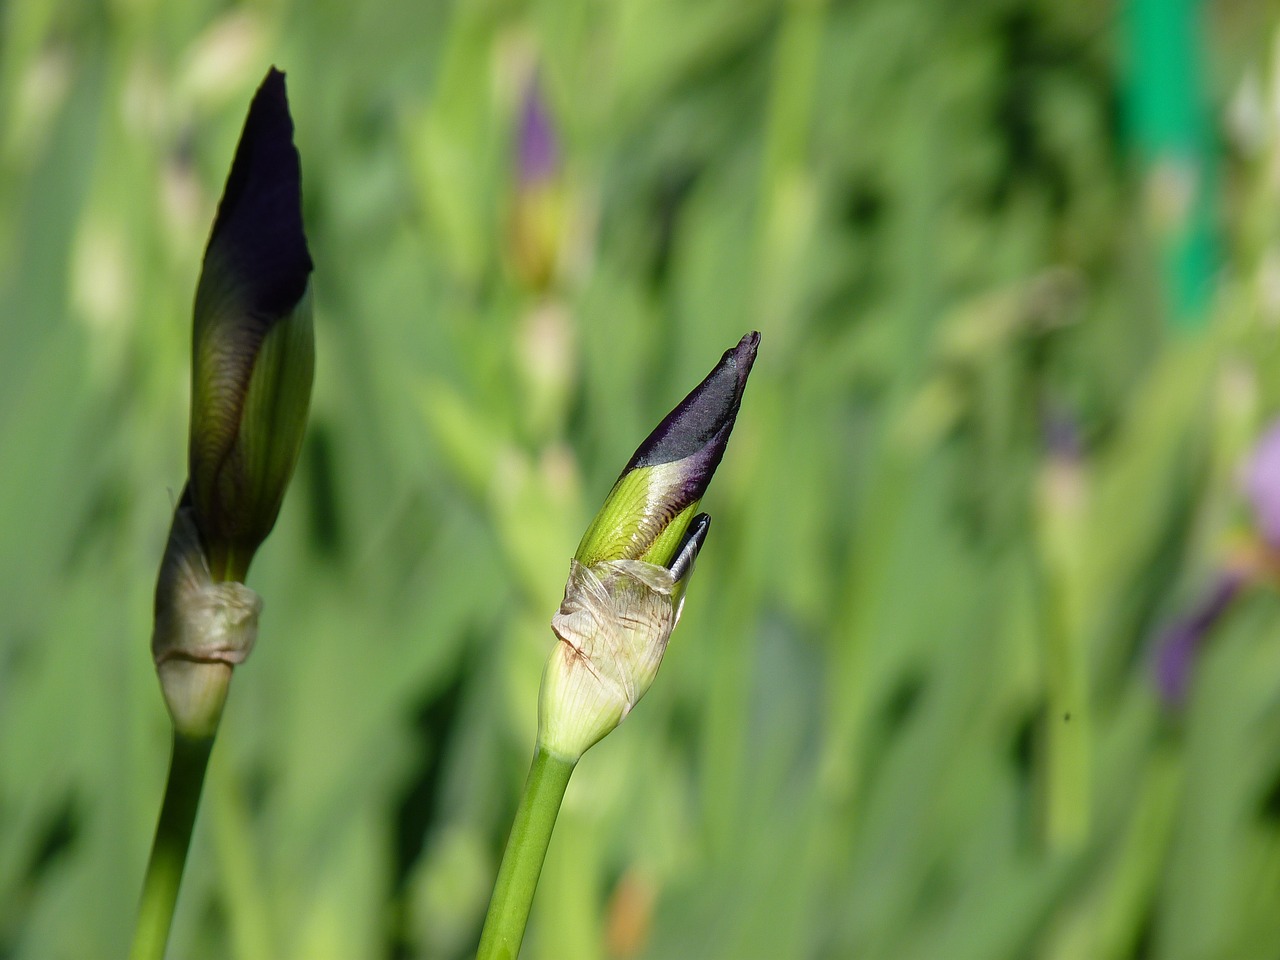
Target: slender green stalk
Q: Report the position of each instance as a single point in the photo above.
(522, 862)
(187, 767)
(1065, 799)
(1065, 793)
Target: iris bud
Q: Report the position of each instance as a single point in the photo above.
(627, 580)
(253, 357)
(253, 349)
(538, 212)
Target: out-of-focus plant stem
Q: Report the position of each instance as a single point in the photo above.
(187, 767)
(1065, 789)
(508, 914)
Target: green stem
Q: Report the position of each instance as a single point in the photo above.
(522, 862)
(187, 766)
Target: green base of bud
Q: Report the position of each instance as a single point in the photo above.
(194, 693)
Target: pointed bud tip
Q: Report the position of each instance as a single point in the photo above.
(702, 421)
(257, 236)
(647, 514)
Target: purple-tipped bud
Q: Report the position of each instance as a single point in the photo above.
(253, 352)
(1262, 485)
(538, 216)
(628, 579)
(537, 149)
(647, 513)
(1061, 431)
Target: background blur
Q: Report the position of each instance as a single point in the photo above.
(1017, 270)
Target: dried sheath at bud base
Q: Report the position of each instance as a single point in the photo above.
(612, 627)
(202, 630)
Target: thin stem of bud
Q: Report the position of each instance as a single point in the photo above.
(187, 767)
(508, 914)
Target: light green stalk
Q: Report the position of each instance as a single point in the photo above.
(512, 899)
(187, 767)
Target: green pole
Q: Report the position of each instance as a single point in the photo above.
(1170, 130)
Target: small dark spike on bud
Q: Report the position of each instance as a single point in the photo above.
(696, 536)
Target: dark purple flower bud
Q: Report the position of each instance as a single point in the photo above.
(648, 512)
(1061, 431)
(628, 579)
(253, 352)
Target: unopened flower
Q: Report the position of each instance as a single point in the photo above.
(253, 349)
(253, 357)
(627, 581)
(537, 146)
(538, 211)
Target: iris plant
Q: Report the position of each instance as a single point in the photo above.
(623, 598)
(253, 357)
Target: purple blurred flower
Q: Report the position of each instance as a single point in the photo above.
(538, 219)
(537, 147)
(1061, 431)
(1262, 485)
(1180, 644)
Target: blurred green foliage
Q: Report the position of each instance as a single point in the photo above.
(909, 712)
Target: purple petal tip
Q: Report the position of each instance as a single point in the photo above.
(701, 423)
(538, 151)
(257, 236)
